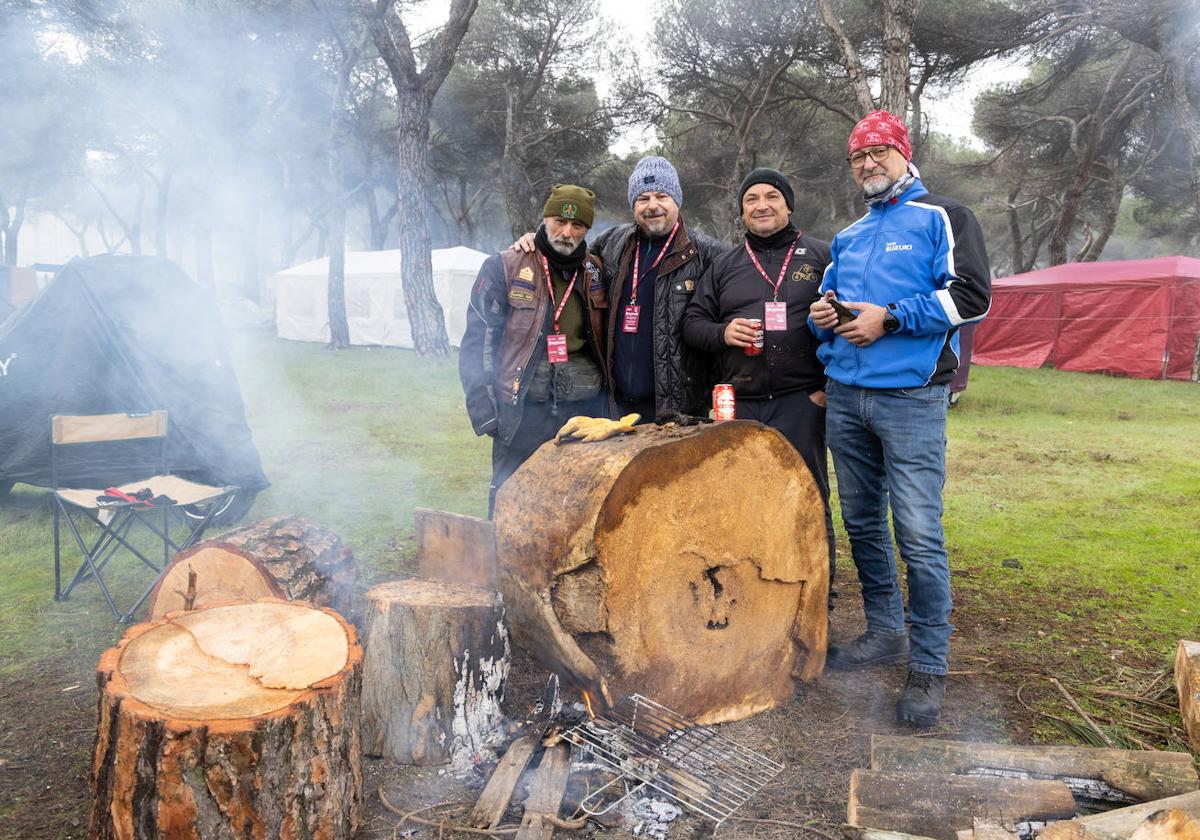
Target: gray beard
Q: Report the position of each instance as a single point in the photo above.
(566, 249)
(654, 227)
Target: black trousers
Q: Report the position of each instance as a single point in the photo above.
(539, 423)
(802, 422)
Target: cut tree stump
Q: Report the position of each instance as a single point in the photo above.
(435, 670)
(1187, 685)
(455, 548)
(1097, 775)
(284, 556)
(236, 721)
(686, 564)
(939, 805)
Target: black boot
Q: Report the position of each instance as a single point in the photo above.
(921, 702)
(869, 649)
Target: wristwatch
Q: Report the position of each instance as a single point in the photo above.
(890, 323)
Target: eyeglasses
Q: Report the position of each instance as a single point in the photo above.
(878, 154)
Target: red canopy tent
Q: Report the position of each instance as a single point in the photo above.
(1137, 318)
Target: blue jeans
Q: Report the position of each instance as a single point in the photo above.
(891, 443)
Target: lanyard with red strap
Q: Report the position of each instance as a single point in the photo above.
(632, 312)
(556, 345)
(782, 272)
(775, 315)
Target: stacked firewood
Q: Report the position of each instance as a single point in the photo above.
(958, 790)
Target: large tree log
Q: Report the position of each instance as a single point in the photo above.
(1187, 685)
(937, 805)
(1123, 776)
(236, 721)
(436, 666)
(288, 556)
(687, 564)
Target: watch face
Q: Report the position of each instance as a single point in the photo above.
(890, 323)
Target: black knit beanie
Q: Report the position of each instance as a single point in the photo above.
(765, 175)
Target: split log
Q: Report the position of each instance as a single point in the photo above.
(455, 548)
(545, 798)
(1124, 821)
(284, 556)
(1096, 775)
(233, 721)
(1187, 685)
(938, 805)
(493, 802)
(686, 564)
(436, 665)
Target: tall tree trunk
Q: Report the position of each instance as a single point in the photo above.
(1189, 121)
(1087, 159)
(512, 171)
(13, 230)
(378, 231)
(898, 18)
(203, 235)
(1014, 228)
(855, 71)
(339, 326)
(1116, 194)
(161, 207)
(416, 264)
(248, 256)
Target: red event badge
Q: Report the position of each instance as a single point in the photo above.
(556, 348)
(776, 316)
(630, 322)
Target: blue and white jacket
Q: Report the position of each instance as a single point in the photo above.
(923, 257)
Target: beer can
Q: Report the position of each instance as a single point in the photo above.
(724, 404)
(756, 348)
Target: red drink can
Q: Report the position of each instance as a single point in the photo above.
(756, 348)
(724, 404)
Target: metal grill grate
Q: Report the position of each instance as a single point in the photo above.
(656, 748)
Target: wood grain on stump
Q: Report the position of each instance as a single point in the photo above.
(284, 556)
(435, 670)
(1187, 686)
(686, 564)
(236, 721)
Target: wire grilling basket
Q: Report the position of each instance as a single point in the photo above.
(659, 752)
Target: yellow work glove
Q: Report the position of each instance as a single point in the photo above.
(590, 429)
(610, 428)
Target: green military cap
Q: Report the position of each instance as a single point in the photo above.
(571, 202)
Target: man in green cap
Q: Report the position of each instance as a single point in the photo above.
(531, 356)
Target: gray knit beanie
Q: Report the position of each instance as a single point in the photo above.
(654, 174)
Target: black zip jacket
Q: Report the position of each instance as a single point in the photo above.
(681, 373)
(733, 288)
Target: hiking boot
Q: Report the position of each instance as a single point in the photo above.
(921, 702)
(869, 649)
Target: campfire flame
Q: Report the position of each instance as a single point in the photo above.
(587, 701)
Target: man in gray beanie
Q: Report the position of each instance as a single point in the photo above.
(650, 269)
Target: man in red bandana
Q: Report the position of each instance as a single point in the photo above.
(913, 270)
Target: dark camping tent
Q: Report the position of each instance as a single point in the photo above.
(123, 334)
(1137, 318)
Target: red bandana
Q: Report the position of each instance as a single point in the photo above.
(879, 128)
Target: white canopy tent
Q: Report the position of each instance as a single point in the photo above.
(374, 300)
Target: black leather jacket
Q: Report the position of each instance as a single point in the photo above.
(681, 373)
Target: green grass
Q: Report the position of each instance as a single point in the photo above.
(1091, 483)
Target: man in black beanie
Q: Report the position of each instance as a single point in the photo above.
(772, 279)
(532, 355)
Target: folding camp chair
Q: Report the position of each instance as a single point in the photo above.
(126, 434)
